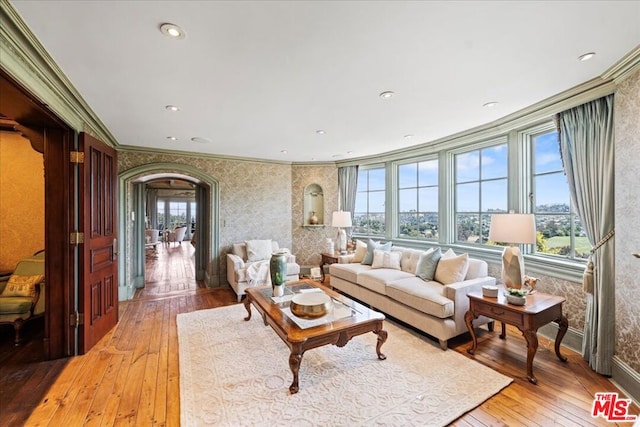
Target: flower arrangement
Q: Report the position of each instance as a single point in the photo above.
(518, 292)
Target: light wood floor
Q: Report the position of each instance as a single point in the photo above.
(131, 377)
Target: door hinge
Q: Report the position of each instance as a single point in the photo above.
(77, 157)
(77, 319)
(76, 238)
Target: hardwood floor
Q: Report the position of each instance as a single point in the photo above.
(131, 377)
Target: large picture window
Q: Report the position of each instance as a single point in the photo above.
(559, 231)
(480, 190)
(418, 200)
(369, 215)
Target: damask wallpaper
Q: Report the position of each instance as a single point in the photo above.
(22, 224)
(627, 238)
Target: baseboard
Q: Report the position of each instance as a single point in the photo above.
(626, 379)
(572, 340)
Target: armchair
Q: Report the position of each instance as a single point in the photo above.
(177, 235)
(151, 238)
(243, 260)
(22, 293)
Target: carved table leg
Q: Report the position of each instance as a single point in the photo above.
(382, 338)
(563, 324)
(295, 359)
(247, 306)
(468, 319)
(532, 347)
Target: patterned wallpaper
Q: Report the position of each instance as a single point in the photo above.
(22, 225)
(627, 238)
(308, 243)
(255, 197)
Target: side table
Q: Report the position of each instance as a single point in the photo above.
(539, 310)
(327, 259)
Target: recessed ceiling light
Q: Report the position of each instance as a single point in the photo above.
(408, 136)
(201, 140)
(586, 56)
(490, 104)
(283, 151)
(349, 152)
(320, 132)
(172, 138)
(172, 108)
(172, 31)
(387, 94)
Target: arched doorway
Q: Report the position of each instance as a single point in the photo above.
(132, 222)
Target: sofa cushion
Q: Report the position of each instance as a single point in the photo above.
(427, 297)
(427, 264)
(452, 270)
(349, 271)
(409, 259)
(258, 250)
(382, 259)
(361, 251)
(15, 305)
(371, 246)
(376, 280)
(477, 268)
(22, 286)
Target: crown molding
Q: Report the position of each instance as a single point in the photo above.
(24, 58)
(625, 67)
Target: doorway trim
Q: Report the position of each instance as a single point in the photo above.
(131, 213)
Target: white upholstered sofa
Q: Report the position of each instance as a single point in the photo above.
(247, 265)
(428, 305)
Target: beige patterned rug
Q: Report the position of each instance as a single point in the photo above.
(236, 373)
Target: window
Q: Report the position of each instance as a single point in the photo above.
(369, 215)
(160, 213)
(480, 190)
(418, 200)
(177, 214)
(558, 228)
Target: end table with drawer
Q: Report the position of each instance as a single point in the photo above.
(538, 310)
(328, 259)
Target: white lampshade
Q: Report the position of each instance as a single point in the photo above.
(341, 219)
(513, 228)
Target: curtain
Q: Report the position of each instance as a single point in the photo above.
(347, 187)
(587, 149)
(152, 207)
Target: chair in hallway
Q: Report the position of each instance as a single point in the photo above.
(176, 235)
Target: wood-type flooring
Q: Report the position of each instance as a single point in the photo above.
(131, 377)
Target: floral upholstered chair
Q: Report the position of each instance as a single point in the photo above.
(22, 293)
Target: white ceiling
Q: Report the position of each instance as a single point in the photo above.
(259, 77)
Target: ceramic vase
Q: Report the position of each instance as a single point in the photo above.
(313, 219)
(278, 271)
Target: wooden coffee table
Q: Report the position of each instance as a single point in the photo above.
(337, 332)
(539, 310)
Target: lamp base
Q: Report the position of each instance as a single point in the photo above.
(512, 267)
(341, 240)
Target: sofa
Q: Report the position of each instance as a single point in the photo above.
(395, 288)
(22, 293)
(248, 265)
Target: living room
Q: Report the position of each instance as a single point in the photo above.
(274, 191)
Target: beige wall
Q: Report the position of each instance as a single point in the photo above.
(21, 200)
(627, 238)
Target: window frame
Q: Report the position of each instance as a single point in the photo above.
(385, 191)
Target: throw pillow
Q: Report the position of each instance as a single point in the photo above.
(448, 254)
(371, 246)
(452, 270)
(22, 286)
(382, 259)
(258, 250)
(427, 264)
(361, 251)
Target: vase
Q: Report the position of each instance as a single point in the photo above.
(313, 219)
(278, 271)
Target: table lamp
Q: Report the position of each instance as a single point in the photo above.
(341, 220)
(513, 228)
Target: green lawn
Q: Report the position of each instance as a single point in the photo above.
(582, 243)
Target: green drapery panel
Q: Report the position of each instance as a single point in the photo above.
(587, 148)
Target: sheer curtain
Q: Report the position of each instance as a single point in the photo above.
(151, 207)
(347, 187)
(587, 148)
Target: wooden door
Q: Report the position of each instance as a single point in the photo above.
(98, 289)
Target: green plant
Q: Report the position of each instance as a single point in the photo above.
(518, 292)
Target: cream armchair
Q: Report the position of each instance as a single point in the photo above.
(246, 257)
(176, 235)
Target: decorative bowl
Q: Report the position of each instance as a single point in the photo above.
(310, 305)
(490, 291)
(516, 300)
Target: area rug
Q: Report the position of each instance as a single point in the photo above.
(236, 373)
